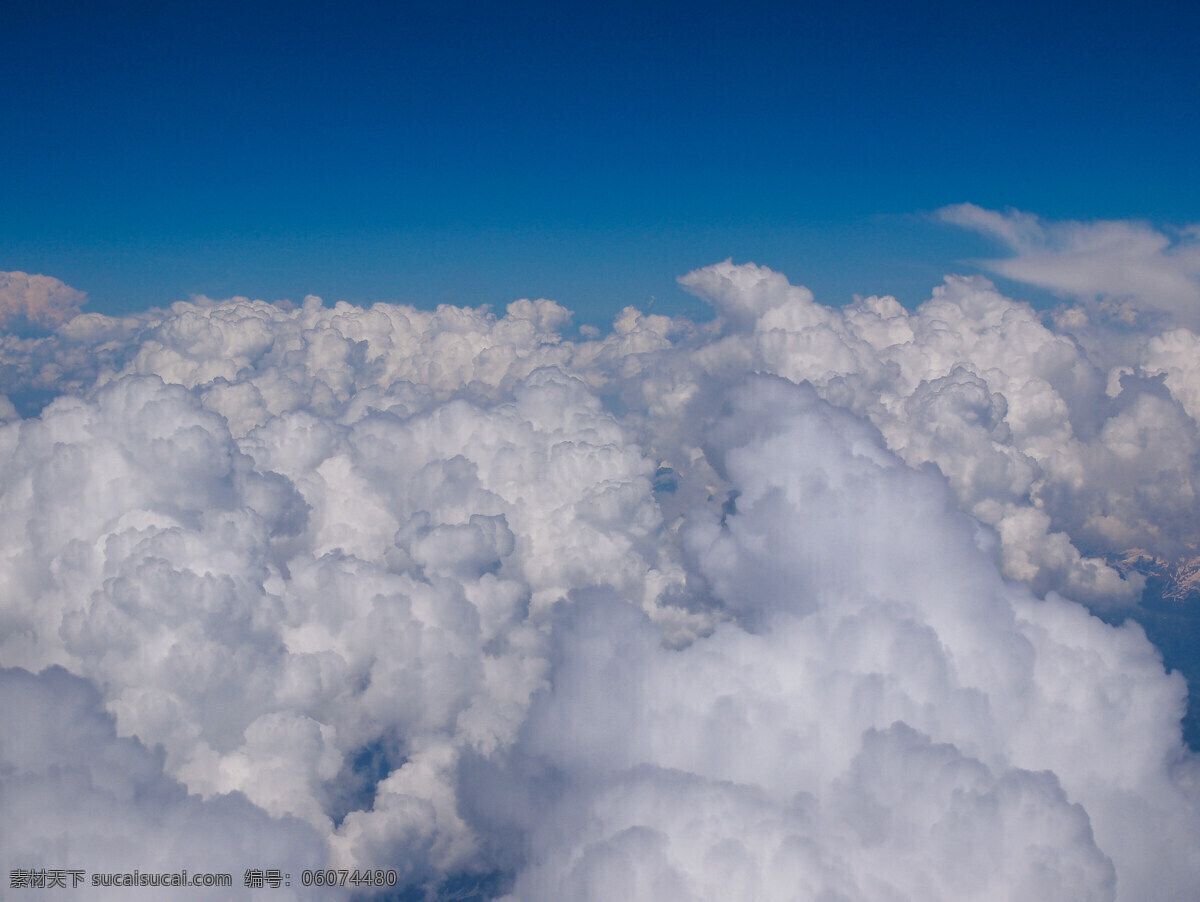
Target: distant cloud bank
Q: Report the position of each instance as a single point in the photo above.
(793, 603)
(41, 300)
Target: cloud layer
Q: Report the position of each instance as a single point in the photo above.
(774, 606)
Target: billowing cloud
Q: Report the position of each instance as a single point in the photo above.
(878, 729)
(785, 603)
(41, 300)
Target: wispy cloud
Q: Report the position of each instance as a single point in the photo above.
(1131, 265)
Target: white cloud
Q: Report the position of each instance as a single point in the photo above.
(614, 616)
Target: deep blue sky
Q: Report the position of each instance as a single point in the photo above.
(479, 152)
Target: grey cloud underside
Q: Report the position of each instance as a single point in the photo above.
(74, 795)
(772, 607)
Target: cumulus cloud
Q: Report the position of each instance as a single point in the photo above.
(787, 602)
(41, 300)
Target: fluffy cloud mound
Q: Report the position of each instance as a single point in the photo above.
(773, 606)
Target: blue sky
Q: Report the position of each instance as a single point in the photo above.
(475, 153)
